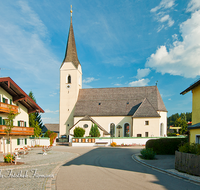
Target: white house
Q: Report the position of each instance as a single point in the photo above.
(14, 98)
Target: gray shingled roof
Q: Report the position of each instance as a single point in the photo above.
(51, 126)
(146, 110)
(119, 101)
(71, 53)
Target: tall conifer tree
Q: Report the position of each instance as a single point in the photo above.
(35, 119)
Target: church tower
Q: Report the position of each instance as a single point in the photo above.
(70, 83)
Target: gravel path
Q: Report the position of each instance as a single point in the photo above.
(37, 172)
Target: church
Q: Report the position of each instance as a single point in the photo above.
(118, 112)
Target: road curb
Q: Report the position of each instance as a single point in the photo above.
(135, 158)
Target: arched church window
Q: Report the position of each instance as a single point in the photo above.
(126, 130)
(112, 130)
(69, 79)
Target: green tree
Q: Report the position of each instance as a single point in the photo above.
(37, 130)
(181, 123)
(9, 125)
(9, 122)
(35, 120)
(94, 131)
(79, 132)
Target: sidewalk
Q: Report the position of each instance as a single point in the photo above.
(166, 164)
(38, 171)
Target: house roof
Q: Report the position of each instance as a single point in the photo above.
(195, 84)
(71, 53)
(87, 118)
(195, 126)
(19, 95)
(51, 126)
(146, 110)
(119, 102)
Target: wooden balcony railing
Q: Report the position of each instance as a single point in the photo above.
(18, 131)
(5, 108)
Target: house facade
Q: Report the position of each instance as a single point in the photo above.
(194, 129)
(118, 112)
(13, 98)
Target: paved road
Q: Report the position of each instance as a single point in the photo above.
(113, 168)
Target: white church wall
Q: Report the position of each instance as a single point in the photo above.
(163, 123)
(146, 125)
(87, 129)
(119, 141)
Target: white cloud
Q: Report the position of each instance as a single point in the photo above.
(164, 4)
(140, 82)
(183, 57)
(25, 44)
(161, 16)
(120, 77)
(117, 84)
(49, 111)
(193, 6)
(141, 73)
(89, 80)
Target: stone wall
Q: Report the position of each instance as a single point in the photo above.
(188, 163)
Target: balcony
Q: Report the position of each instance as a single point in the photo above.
(18, 131)
(5, 108)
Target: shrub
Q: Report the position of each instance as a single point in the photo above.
(148, 153)
(190, 148)
(79, 132)
(8, 158)
(165, 145)
(113, 144)
(94, 131)
(171, 134)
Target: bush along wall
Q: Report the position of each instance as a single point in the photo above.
(165, 145)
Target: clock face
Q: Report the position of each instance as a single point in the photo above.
(68, 86)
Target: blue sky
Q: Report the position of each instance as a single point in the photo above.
(119, 43)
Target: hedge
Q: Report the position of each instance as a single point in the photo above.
(165, 145)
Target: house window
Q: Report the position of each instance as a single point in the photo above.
(21, 124)
(146, 134)
(85, 125)
(5, 100)
(198, 139)
(112, 130)
(21, 141)
(139, 135)
(126, 130)
(146, 122)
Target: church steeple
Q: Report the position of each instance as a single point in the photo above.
(71, 53)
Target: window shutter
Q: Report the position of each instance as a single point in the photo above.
(10, 102)
(4, 100)
(0, 120)
(25, 141)
(4, 122)
(18, 141)
(18, 123)
(24, 123)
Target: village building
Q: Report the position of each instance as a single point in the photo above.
(194, 129)
(13, 98)
(118, 112)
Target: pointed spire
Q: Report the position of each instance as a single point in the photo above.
(71, 53)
